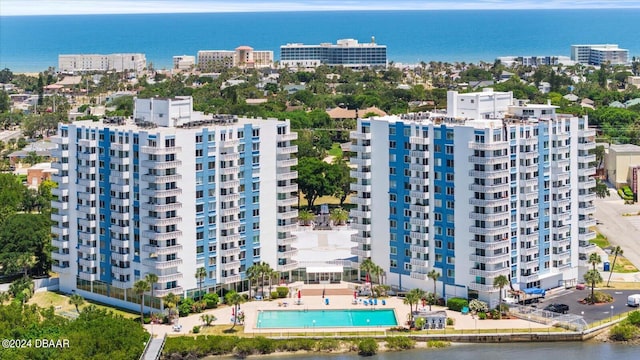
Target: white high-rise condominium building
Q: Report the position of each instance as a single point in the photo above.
(508, 192)
(167, 193)
(599, 54)
(346, 52)
(101, 62)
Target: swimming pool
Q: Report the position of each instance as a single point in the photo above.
(271, 319)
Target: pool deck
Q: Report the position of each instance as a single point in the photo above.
(313, 302)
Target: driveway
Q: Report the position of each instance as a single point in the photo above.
(620, 230)
(592, 313)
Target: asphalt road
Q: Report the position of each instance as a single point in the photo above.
(592, 313)
(620, 230)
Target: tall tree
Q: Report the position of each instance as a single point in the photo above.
(77, 301)
(434, 275)
(152, 279)
(592, 277)
(234, 299)
(500, 282)
(312, 179)
(616, 251)
(594, 259)
(602, 190)
(171, 302)
(253, 274)
(201, 274)
(140, 287)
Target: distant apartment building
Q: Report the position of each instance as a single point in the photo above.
(346, 52)
(79, 63)
(168, 192)
(242, 56)
(599, 54)
(535, 61)
(500, 190)
(184, 62)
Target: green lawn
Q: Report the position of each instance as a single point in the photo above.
(61, 303)
(601, 241)
(335, 151)
(622, 265)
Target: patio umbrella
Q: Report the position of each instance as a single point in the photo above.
(233, 311)
(424, 302)
(299, 294)
(368, 281)
(355, 295)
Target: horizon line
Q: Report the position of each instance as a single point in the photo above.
(308, 10)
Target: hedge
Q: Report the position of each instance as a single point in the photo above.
(456, 304)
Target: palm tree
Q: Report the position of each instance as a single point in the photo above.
(500, 282)
(234, 299)
(594, 259)
(171, 302)
(272, 275)
(77, 301)
(339, 216)
(152, 279)
(253, 274)
(140, 287)
(367, 266)
(201, 274)
(434, 275)
(593, 277)
(419, 294)
(616, 251)
(410, 299)
(305, 216)
(265, 271)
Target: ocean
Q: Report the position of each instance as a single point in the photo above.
(29, 44)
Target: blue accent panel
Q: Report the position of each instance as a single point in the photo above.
(400, 191)
(447, 214)
(105, 198)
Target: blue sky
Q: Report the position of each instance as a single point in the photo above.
(60, 7)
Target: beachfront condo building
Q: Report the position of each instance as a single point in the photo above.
(494, 187)
(346, 52)
(80, 63)
(167, 192)
(242, 56)
(599, 54)
(184, 62)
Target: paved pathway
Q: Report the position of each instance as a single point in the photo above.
(154, 348)
(620, 230)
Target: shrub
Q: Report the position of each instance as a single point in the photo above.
(211, 300)
(295, 344)
(623, 332)
(456, 304)
(367, 347)
(282, 291)
(327, 345)
(274, 295)
(437, 344)
(184, 309)
(147, 320)
(196, 329)
(420, 323)
(634, 318)
(451, 321)
(495, 314)
(478, 306)
(600, 297)
(482, 315)
(400, 343)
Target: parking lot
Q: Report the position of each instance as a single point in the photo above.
(592, 313)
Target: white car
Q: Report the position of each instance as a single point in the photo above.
(177, 327)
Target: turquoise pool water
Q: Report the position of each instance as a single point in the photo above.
(270, 319)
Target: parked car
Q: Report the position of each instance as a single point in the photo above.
(558, 308)
(633, 300)
(177, 327)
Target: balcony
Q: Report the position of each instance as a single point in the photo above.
(419, 208)
(60, 244)
(160, 150)
(160, 207)
(361, 227)
(162, 236)
(418, 248)
(61, 206)
(489, 217)
(229, 238)
(360, 162)
(121, 257)
(115, 282)
(360, 201)
(287, 150)
(169, 277)
(489, 245)
(162, 264)
(232, 265)
(490, 231)
(483, 287)
(418, 181)
(178, 290)
(161, 179)
(366, 175)
(123, 188)
(87, 237)
(233, 184)
(419, 195)
(293, 214)
(121, 243)
(60, 231)
(361, 148)
(586, 210)
(60, 269)
(87, 169)
(162, 250)
(230, 225)
(360, 188)
(234, 156)
(587, 236)
(360, 214)
(419, 140)
(87, 182)
(287, 228)
(124, 230)
(419, 262)
(229, 144)
(121, 270)
(529, 251)
(286, 241)
(161, 192)
(361, 136)
(287, 189)
(161, 221)
(360, 253)
(84, 222)
(161, 165)
(419, 236)
(88, 262)
(287, 163)
(419, 222)
(87, 209)
(87, 156)
(234, 251)
(493, 160)
(287, 267)
(490, 259)
(88, 276)
(287, 137)
(287, 254)
(360, 239)
(60, 257)
(287, 176)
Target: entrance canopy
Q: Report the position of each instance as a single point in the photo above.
(324, 269)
